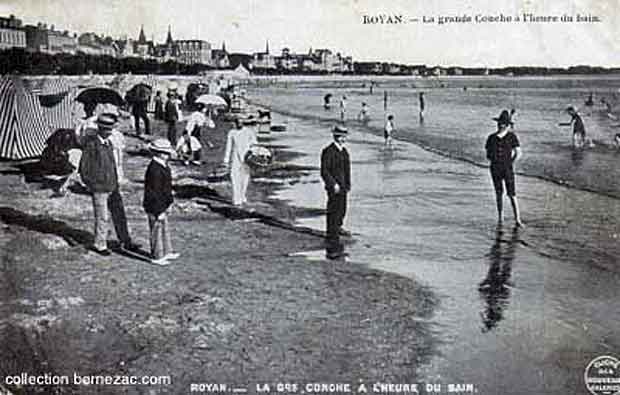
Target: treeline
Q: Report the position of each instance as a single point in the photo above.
(17, 60)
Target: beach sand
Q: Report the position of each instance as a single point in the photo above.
(236, 308)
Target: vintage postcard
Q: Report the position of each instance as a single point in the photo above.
(309, 197)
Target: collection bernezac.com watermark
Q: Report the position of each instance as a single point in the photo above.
(46, 379)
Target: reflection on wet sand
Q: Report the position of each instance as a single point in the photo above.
(577, 156)
(495, 288)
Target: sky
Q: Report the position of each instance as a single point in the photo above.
(245, 26)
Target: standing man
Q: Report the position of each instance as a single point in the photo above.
(343, 108)
(422, 106)
(503, 149)
(171, 116)
(139, 107)
(336, 174)
(159, 106)
(238, 143)
(98, 171)
(388, 130)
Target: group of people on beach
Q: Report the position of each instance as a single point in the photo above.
(99, 163)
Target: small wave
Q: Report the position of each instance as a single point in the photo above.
(328, 122)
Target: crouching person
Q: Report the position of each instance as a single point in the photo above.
(157, 201)
(189, 149)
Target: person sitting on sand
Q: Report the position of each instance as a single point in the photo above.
(579, 130)
(157, 201)
(502, 150)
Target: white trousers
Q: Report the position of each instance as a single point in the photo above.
(240, 178)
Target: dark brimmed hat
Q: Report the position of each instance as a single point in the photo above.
(106, 121)
(571, 109)
(249, 120)
(340, 130)
(504, 118)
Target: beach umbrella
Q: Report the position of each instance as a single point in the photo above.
(100, 96)
(211, 100)
(140, 93)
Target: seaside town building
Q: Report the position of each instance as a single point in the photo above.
(264, 60)
(11, 33)
(287, 61)
(194, 51)
(92, 44)
(143, 48)
(125, 48)
(40, 38)
(219, 58)
(168, 50)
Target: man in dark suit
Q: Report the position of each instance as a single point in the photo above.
(171, 116)
(98, 171)
(336, 174)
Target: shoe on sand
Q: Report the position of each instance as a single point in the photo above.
(336, 255)
(160, 261)
(104, 252)
(172, 256)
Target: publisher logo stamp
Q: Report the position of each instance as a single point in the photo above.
(602, 376)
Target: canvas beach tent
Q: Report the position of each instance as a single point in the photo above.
(57, 101)
(28, 118)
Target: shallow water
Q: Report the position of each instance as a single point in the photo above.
(522, 311)
(457, 121)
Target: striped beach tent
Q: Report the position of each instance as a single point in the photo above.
(56, 98)
(23, 128)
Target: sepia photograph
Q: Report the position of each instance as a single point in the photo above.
(310, 197)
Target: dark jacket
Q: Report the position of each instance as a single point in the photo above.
(97, 166)
(170, 112)
(335, 168)
(159, 108)
(157, 189)
(139, 107)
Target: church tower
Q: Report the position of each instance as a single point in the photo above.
(169, 40)
(142, 37)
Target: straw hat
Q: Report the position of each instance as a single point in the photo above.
(161, 145)
(340, 130)
(106, 121)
